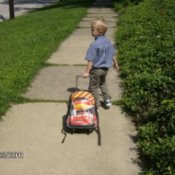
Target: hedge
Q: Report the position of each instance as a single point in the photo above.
(146, 54)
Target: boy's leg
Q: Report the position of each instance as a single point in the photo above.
(103, 86)
(104, 90)
(94, 85)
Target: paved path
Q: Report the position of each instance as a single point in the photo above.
(22, 6)
(35, 128)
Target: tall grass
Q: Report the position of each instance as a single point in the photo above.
(28, 41)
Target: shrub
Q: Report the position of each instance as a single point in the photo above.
(146, 54)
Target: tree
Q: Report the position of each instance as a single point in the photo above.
(11, 9)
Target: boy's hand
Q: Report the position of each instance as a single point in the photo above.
(85, 75)
(115, 66)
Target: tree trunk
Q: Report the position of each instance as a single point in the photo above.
(11, 9)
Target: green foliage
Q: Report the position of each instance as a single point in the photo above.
(29, 40)
(121, 5)
(146, 54)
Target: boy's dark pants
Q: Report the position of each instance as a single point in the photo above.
(98, 80)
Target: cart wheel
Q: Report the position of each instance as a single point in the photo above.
(90, 130)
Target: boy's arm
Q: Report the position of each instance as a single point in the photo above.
(88, 68)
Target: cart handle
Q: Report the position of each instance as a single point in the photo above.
(77, 77)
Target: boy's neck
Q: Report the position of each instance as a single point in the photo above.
(98, 36)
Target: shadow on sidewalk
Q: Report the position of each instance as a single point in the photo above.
(49, 4)
(2, 18)
(68, 4)
(31, 2)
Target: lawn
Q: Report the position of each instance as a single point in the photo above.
(28, 41)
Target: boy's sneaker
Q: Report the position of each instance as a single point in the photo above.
(107, 103)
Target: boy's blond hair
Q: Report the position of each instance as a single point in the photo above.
(100, 25)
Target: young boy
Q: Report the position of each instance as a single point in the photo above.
(100, 57)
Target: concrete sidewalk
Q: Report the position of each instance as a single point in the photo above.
(22, 6)
(34, 129)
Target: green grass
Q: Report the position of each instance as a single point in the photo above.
(28, 41)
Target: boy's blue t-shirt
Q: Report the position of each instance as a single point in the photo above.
(101, 52)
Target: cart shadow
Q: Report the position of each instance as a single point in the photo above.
(73, 89)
